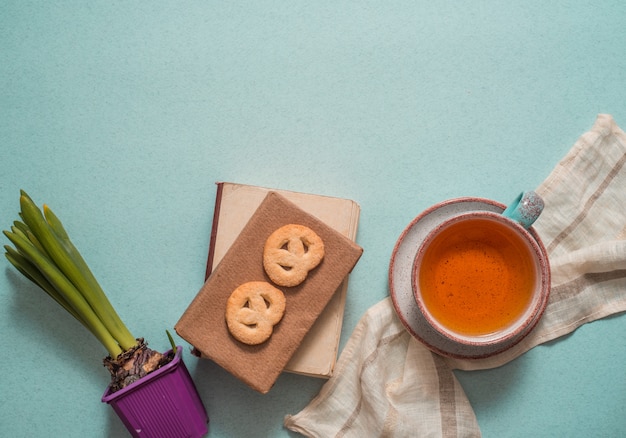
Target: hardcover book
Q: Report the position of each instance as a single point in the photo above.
(203, 324)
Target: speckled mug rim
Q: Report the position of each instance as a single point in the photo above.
(400, 289)
(518, 325)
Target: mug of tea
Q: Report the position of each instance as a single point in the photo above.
(479, 278)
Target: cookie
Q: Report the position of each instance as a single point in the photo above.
(252, 311)
(290, 253)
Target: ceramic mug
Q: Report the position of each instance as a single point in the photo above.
(480, 279)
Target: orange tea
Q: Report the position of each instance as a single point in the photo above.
(477, 276)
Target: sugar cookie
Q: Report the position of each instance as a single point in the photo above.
(290, 253)
(252, 311)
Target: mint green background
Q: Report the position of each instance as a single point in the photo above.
(122, 115)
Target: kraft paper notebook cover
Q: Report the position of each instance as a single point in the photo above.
(203, 324)
(234, 206)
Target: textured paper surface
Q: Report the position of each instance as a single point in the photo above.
(203, 324)
(235, 205)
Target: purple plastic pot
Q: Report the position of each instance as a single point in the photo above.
(165, 404)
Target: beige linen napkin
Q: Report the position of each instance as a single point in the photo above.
(387, 384)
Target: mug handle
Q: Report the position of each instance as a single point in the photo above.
(525, 209)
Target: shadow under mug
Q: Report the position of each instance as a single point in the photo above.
(481, 281)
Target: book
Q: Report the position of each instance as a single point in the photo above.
(234, 206)
(204, 323)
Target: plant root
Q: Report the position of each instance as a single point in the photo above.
(133, 364)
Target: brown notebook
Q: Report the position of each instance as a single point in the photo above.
(203, 323)
(234, 206)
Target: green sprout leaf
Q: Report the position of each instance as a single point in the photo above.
(171, 339)
(44, 254)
